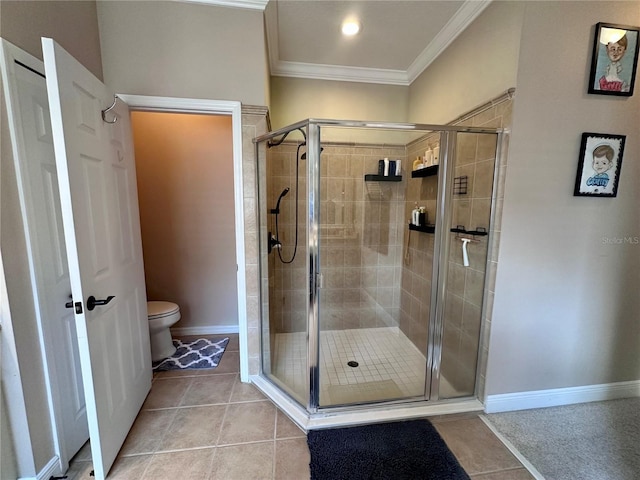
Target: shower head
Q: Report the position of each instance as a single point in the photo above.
(304, 155)
(283, 194)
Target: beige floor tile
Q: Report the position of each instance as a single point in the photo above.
(243, 462)
(285, 428)
(245, 392)
(208, 390)
(248, 422)
(234, 343)
(84, 454)
(189, 464)
(128, 468)
(477, 449)
(193, 427)
(230, 363)
(79, 470)
(166, 392)
(517, 474)
(147, 431)
(292, 459)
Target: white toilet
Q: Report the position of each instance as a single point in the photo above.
(162, 315)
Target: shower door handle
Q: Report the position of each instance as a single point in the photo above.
(92, 302)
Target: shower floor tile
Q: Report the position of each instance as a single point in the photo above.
(389, 365)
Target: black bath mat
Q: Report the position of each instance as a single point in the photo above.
(408, 450)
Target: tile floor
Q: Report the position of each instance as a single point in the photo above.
(207, 425)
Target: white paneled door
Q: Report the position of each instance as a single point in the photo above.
(32, 142)
(98, 194)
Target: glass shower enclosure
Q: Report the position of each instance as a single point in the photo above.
(374, 245)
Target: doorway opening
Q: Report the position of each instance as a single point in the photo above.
(183, 166)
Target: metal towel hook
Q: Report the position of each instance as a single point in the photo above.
(105, 111)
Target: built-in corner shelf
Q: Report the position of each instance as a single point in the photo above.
(382, 178)
(422, 228)
(425, 172)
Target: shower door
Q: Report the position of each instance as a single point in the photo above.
(374, 300)
(359, 306)
(282, 173)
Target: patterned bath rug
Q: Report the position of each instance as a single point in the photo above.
(201, 353)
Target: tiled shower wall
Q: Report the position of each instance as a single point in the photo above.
(360, 238)
(417, 264)
(254, 123)
(475, 157)
(371, 206)
(497, 115)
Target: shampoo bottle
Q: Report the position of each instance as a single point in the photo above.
(415, 215)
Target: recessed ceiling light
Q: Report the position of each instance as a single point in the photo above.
(350, 27)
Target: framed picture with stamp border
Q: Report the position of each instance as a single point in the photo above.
(599, 165)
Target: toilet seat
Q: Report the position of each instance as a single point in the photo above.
(157, 310)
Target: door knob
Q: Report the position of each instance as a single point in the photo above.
(92, 302)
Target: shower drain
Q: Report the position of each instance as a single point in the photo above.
(352, 363)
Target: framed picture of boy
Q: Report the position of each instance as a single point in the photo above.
(615, 59)
(599, 165)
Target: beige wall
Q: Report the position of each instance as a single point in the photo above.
(566, 302)
(179, 49)
(184, 164)
(74, 25)
(295, 99)
(478, 66)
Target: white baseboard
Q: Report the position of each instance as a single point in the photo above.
(508, 402)
(205, 330)
(51, 469)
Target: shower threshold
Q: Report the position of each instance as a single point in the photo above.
(367, 375)
(361, 414)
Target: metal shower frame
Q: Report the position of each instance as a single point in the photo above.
(448, 135)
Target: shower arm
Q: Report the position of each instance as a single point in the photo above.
(278, 142)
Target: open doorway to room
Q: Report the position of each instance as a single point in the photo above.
(184, 168)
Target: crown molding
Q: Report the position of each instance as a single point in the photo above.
(469, 11)
(339, 73)
(466, 14)
(249, 4)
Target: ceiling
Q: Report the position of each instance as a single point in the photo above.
(398, 41)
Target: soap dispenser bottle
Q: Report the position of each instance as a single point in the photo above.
(415, 215)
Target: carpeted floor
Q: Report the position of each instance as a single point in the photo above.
(386, 451)
(588, 441)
